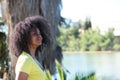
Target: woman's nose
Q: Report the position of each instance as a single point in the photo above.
(39, 35)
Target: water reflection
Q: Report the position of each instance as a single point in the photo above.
(105, 65)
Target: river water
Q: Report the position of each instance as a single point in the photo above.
(105, 65)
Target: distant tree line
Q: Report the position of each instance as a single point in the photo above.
(80, 37)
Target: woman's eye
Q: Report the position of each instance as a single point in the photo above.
(35, 34)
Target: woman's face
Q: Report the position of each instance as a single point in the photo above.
(36, 38)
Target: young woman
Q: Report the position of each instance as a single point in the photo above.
(27, 41)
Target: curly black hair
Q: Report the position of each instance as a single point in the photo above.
(20, 38)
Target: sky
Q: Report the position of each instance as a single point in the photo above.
(103, 13)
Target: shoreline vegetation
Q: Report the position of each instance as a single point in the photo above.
(89, 52)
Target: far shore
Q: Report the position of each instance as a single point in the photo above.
(88, 52)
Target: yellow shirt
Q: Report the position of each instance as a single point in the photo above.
(26, 64)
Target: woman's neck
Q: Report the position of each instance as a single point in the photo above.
(32, 51)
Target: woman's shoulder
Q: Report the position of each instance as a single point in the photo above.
(24, 63)
(24, 57)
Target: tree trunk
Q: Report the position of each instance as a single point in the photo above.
(15, 10)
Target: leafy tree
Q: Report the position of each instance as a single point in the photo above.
(67, 38)
(80, 24)
(116, 43)
(93, 40)
(108, 40)
(63, 38)
(87, 24)
(90, 40)
(66, 23)
(116, 47)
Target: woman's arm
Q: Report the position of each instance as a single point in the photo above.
(22, 76)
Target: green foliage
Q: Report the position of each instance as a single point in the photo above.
(3, 52)
(90, 76)
(116, 47)
(87, 24)
(67, 38)
(60, 70)
(91, 40)
(1, 21)
(109, 39)
(48, 75)
(62, 74)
